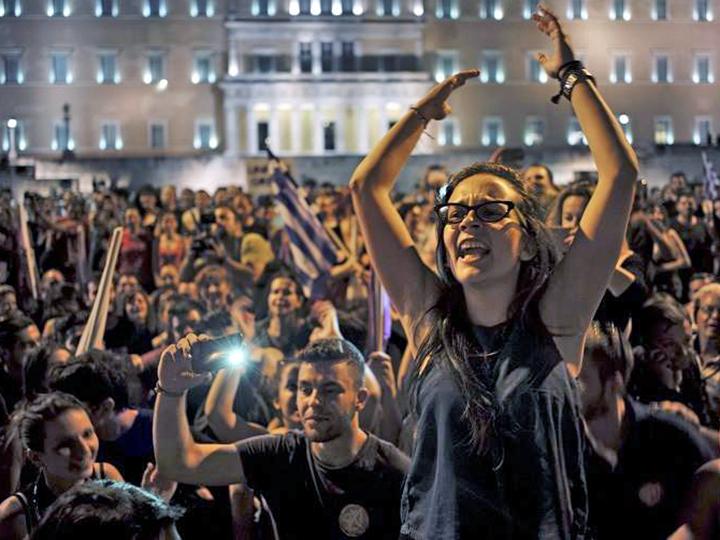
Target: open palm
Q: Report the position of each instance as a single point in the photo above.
(547, 22)
(434, 105)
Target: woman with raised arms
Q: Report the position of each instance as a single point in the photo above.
(498, 333)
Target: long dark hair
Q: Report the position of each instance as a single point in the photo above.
(450, 338)
(584, 190)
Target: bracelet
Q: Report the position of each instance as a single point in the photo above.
(420, 115)
(567, 65)
(425, 120)
(572, 76)
(160, 390)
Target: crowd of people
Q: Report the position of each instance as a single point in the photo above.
(551, 369)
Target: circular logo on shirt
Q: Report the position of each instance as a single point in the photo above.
(651, 494)
(354, 520)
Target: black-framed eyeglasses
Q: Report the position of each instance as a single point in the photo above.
(487, 212)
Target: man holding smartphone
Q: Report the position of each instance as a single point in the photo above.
(333, 480)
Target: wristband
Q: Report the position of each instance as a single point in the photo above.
(160, 390)
(568, 65)
(420, 115)
(425, 120)
(572, 76)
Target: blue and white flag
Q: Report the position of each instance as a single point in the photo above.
(312, 251)
(711, 178)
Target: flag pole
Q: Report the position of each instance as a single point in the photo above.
(379, 315)
(94, 331)
(30, 261)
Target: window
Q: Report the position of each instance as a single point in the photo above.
(154, 8)
(449, 133)
(325, 7)
(259, 7)
(329, 136)
(20, 136)
(493, 131)
(205, 138)
(577, 10)
(530, 7)
(11, 71)
(110, 136)
(263, 133)
(702, 69)
(155, 69)
(447, 64)
(299, 7)
(702, 134)
(157, 135)
(703, 10)
(493, 69)
(108, 72)
(575, 135)
(61, 137)
(491, 9)
(58, 8)
(534, 131)
(10, 8)
(620, 10)
(447, 9)
(60, 68)
(203, 68)
(620, 72)
(263, 63)
(306, 62)
(661, 68)
(326, 56)
(536, 73)
(660, 10)
(206, 8)
(348, 60)
(387, 8)
(664, 130)
(626, 126)
(106, 8)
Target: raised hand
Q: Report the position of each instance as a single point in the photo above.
(434, 105)
(547, 22)
(175, 373)
(325, 314)
(381, 365)
(158, 484)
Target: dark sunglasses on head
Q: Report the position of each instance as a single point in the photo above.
(487, 212)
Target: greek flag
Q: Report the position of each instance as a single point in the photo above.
(311, 250)
(711, 178)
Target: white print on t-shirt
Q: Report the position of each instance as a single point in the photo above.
(354, 520)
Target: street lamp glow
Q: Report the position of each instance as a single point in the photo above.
(624, 119)
(162, 85)
(12, 123)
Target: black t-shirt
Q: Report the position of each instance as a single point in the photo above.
(133, 450)
(698, 242)
(311, 500)
(642, 495)
(620, 309)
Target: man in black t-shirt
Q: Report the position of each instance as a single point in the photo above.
(641, 461)
(333, 481)
(697, 239)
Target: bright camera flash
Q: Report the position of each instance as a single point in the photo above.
(237, 357)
